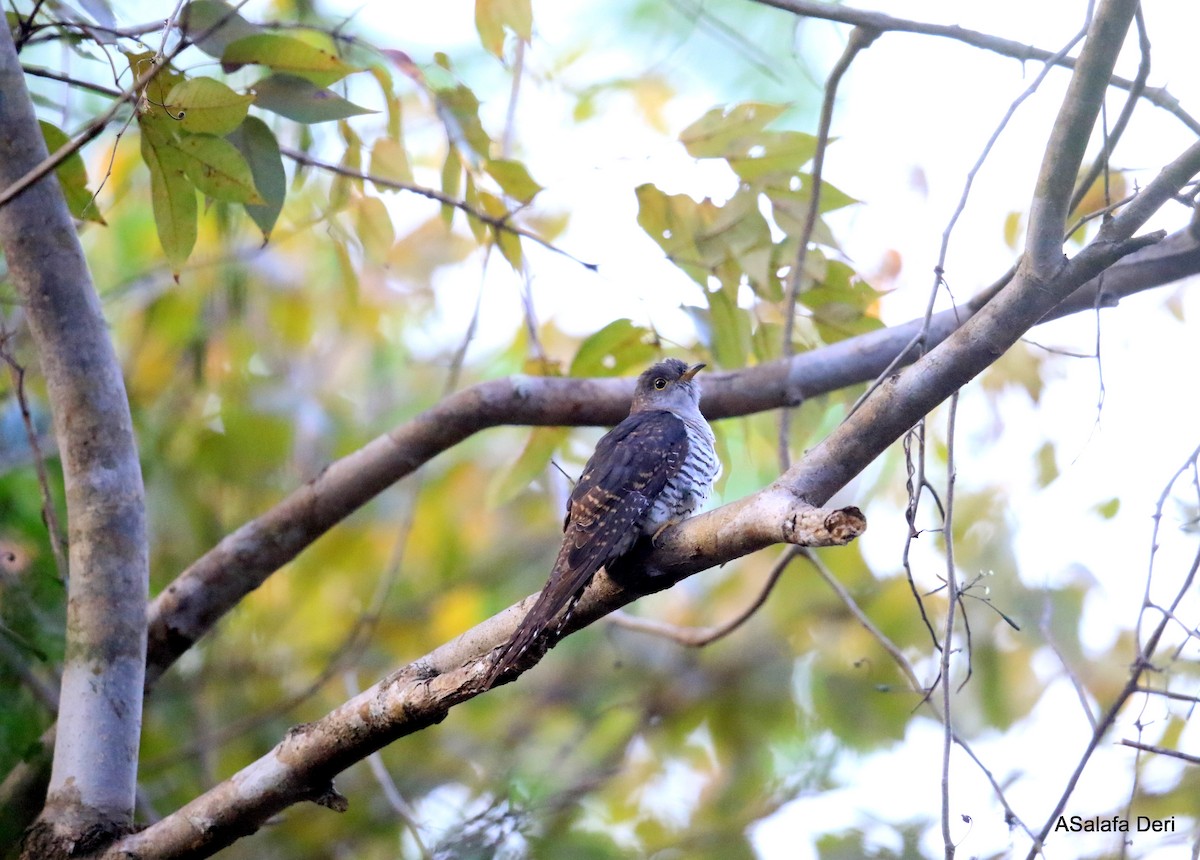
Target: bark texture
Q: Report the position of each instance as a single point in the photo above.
(94, 773)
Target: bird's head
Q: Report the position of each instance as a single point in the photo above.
(669, 384)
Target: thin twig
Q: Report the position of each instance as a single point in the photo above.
(17, 662)
(698, 637)
(952, 601)
(497, 223)
(50, 74)
(514, 93)
(1142, 661)
(860, 39)
(96, 126)
(49, 510)
(915, 485)
(1168, 694)
(906, 668)
(1137, 745)
(849, 602)
(939, 270)
(1080, 691)
(1157, 96)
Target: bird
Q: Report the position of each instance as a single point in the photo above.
(651, 471)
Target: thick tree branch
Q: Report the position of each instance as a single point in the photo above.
(211, 586)
(420, 694)
(95, 763)
(895, 406)
(1101, 163)
(303, 765)
(1051, 203)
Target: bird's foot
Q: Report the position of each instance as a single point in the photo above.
(668, 524)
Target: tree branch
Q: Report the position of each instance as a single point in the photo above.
(214, 583)
(416, 696)
(1101, 163)
(1051, 203)
(503, 223)
(1159, 96)
(18, 184)
(860, 39)
(95, 765)
(1034, 291)
(420, 694)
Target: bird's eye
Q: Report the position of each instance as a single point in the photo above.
(660, 383)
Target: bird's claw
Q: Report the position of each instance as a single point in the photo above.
(668, 524)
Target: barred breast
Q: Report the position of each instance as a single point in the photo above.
(690, 487)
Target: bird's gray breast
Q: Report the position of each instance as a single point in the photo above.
(688, 488)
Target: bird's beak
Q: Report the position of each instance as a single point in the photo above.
(691, 371)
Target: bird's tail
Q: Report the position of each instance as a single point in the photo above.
(562, 590)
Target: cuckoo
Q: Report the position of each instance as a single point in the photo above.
(650, 471)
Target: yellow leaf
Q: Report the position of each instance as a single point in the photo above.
(286, 54)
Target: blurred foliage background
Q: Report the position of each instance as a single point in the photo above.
(251, 364)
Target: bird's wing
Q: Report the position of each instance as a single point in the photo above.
(630, 467)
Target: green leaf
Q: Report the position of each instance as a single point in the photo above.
(672, 221)
(256, 142)
(217, 169)
(347, 183)
(493, 17)
(212, 25)
(790, 210)
(452, 173)
(773, 155)
(729, 328)
(479, 229)
(387, 91)
(172, 195)
(534, 460)
(301, 100)
(510, 247)
(513, 178)
(72, 176)
(288, 55)
(737, 238)
(841, 303)
(458, 109)
(1108, 509)
(722, 130)
(207, 106)
(613, 350)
